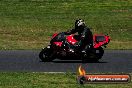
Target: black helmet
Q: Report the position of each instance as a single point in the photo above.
(79, 23)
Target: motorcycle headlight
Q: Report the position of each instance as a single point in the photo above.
(48, 46)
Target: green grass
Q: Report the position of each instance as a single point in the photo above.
(28, 24)
(46, 80)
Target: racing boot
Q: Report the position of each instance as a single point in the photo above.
(87, 49)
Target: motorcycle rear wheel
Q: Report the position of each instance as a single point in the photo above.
(100, 53)
(94, 55)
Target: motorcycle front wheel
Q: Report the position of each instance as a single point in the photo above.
(46, 54)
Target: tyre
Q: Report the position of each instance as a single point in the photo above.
(94, 55)
(99, 52)
(46, 55)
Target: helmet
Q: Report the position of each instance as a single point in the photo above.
(79, 23)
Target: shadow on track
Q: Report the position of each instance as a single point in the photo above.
(74, 61)
(68, 61)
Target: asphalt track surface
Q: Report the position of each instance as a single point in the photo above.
(117, 61)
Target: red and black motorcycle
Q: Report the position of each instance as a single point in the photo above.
(63, 49)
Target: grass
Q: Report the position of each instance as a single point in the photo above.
(28, 24)
(46, 80)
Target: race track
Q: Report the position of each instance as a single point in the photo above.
(117, 61)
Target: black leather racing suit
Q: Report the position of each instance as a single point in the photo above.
(85, 35)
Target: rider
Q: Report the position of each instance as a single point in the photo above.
(86, 38)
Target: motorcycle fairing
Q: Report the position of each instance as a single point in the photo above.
(71, 39)
(100, 40)
(55, 34)
(58, 43)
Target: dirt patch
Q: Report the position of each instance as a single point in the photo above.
(120, 10)
(122, 0)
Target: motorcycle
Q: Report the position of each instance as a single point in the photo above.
(61, 49)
